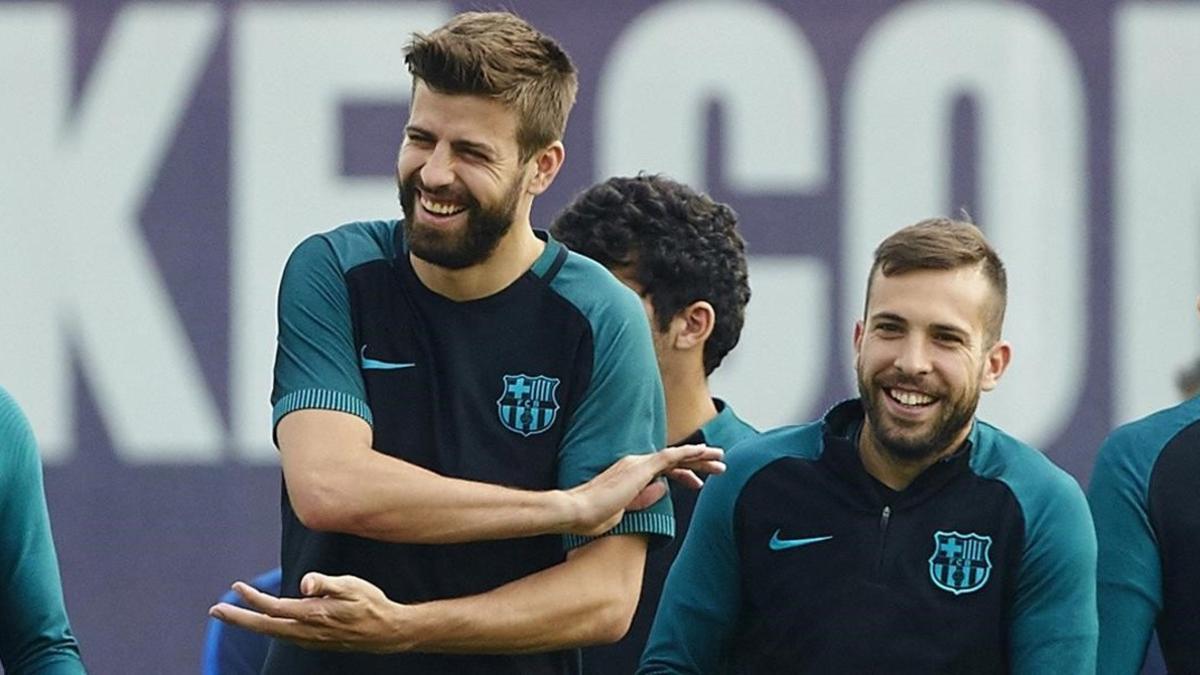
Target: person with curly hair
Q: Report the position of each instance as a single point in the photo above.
(680, 251)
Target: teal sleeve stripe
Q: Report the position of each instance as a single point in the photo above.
(1054, 624)
(322, 399)
(636, 522)
(1129, 572)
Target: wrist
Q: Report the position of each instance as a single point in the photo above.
(406, 623)
(564, 512)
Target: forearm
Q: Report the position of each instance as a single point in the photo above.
(380, 497)
(588, 599)
(337, 482)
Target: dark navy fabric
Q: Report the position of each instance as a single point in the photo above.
(1143, 495)
(540, 386)
(723, 431)
(797, 562)
(229, 650)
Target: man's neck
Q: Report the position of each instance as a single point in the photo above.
(513, 256)
(689, 405)
(896, 472)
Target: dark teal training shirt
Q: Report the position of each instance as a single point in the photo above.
(34, 634)
(540, 386)
(1145, 497)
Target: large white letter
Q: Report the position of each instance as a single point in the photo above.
(76, 271)
(654, 96)
(1023, 78)
(293, 66)
(1156, 247)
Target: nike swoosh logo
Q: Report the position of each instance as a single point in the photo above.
(778, 544)
(372, 364)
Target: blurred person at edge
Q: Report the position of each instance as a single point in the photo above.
(1143, 495)
(35, 636)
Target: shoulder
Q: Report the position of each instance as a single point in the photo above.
(595, 292)
(727, 430)
(755, 453)
(1039, 486)
(347, 246)
(1137, 444)
(15, 431)
(18, 448)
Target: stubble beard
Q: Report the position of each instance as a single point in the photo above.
(906, 444)
(471, 244)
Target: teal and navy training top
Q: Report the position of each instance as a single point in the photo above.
(799, 561)
(35, 636)
(1145, 497)
(540, 386)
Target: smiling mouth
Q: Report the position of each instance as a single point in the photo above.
(908, 398)
(440, 208)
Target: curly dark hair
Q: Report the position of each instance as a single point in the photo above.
(681, 247)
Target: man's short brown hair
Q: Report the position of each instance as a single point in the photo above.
(500, 56)
(945, 244)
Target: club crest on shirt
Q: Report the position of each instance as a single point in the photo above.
(960, 562)
(527, 404)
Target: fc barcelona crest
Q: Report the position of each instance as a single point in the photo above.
(527, 404)
(960, 562)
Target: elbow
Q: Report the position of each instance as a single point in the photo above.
(319, 504)
(614, 619)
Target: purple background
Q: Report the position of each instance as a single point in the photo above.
(145, 550)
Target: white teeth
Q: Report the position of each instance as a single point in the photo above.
(910, 397)
(440, 208)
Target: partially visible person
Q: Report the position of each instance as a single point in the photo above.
(681, 252)
(898, 534)
(1143, 495)
(230, 650)
(35, 636)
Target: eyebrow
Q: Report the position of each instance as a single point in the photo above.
(896, 318)
(459, 145)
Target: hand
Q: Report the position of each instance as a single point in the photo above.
(343, 613)
(632, 483)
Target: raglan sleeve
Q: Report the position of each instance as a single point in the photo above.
(1129, 572)
(701, 600)
(35, 635)
(316, 365)
(1053, 622)
(622, 410)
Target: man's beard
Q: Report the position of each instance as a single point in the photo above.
(471, 244)
(956, 414)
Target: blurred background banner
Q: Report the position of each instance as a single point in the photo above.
(158, 161)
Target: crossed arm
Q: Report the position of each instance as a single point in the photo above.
(589, 598)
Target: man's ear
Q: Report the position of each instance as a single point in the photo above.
(995, 362)
(546, 164)
(692, 325)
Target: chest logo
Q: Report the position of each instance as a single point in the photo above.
(527, 404)
(960, 562)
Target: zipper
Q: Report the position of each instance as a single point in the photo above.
(884, 518)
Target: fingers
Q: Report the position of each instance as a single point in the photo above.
(257, 622)
(690, 455)
(686, 477)
(650, 494)
(265, 603)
